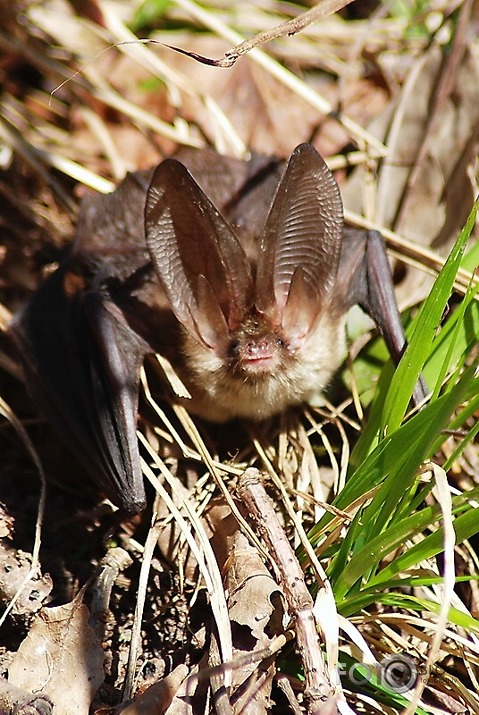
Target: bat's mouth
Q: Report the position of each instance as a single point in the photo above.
(259, 362)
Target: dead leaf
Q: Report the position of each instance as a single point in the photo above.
(157, 698)
(431, 207)
(14, 701)
(14, 568)
(62, 658)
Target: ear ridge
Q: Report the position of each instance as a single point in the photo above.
(303, 231)
(191, 243)
(208, 317)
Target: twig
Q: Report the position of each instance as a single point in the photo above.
(289, 27)
(318, 689)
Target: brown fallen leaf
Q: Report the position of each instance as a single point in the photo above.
(15, 566)
(425, 185)
(157, 698)
(61, 657)
(14, 701)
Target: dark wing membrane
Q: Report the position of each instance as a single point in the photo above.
(190, 242)
(109, 224)
(82, 364)
(365, 279)
(301, 243)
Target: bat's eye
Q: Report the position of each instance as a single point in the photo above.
(280, 343)
(234, 345)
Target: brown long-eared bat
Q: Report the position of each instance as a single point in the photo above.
(239, 272)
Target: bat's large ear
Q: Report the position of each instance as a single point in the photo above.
(301, 244)
(197, 257)
(82, 364)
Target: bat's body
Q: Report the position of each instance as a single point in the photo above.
(243, 284)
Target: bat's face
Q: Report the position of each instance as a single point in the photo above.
(260, 375)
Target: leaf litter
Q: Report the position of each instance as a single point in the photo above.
(150, 639)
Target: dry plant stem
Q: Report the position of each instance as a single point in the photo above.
(283, 684)
(328, 621)
(258, 504)
(316, 566)
(290, 27)
(150, 544)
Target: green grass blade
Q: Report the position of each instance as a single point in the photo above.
(422, 338)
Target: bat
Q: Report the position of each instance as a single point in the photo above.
(240, 272)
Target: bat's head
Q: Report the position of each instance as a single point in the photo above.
(256, 336)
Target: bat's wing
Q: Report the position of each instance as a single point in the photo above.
(365, 278)
(82, 364)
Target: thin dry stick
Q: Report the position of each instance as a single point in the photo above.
(289, 27)
(316, 566)
(260, 507)
(151, 541)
